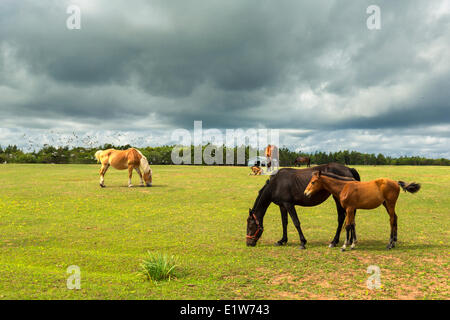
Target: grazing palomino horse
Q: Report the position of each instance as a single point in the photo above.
(286, 189)
(272, 153)
(300, 160)
(354, 195)
(125, 159)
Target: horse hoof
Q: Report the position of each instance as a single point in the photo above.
(130, 186)
(332, 245)
(302, 247)
(280, 243)
(343, 249)
(102, 185)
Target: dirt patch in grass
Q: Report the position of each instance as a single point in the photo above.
(283, 278)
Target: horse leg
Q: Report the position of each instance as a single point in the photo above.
(390, 208)
(103, 170)
(355, 240)
(284, 222)
(130, 174)
(353, 230)
(348, 228)
(140, 176)
(296, 221)
(341, 218)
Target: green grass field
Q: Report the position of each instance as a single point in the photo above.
(54, 216)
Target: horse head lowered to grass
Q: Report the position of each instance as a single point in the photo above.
(125, 159)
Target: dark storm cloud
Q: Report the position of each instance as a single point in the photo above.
(140, 64)
(433, 107)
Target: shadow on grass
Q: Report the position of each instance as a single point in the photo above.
(365, 245)
(137, 186)
(294, 243)
(380, 245)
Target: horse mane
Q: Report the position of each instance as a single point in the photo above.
(335, 176)
(144, 163)
(355, 174)
(259, 195)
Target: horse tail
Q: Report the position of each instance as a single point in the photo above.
(410, 187)
(355, 174)
(97, 155)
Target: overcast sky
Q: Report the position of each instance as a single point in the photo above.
(138, 70)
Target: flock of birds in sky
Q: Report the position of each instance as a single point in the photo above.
(59, 139)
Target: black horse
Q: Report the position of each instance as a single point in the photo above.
(286, 189)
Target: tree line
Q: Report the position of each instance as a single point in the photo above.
(162, 155)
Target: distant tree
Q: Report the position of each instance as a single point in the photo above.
(381, 160)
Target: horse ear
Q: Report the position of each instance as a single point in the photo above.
(250, 211)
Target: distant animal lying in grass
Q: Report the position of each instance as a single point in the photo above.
(354, 195)
(125, 159)
(256, 171)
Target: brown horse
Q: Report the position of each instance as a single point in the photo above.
(272, 154)
(256, 171)
(300, 160)
(125, 159)
(361, 195)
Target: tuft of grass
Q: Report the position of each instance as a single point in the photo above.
(157, 267)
